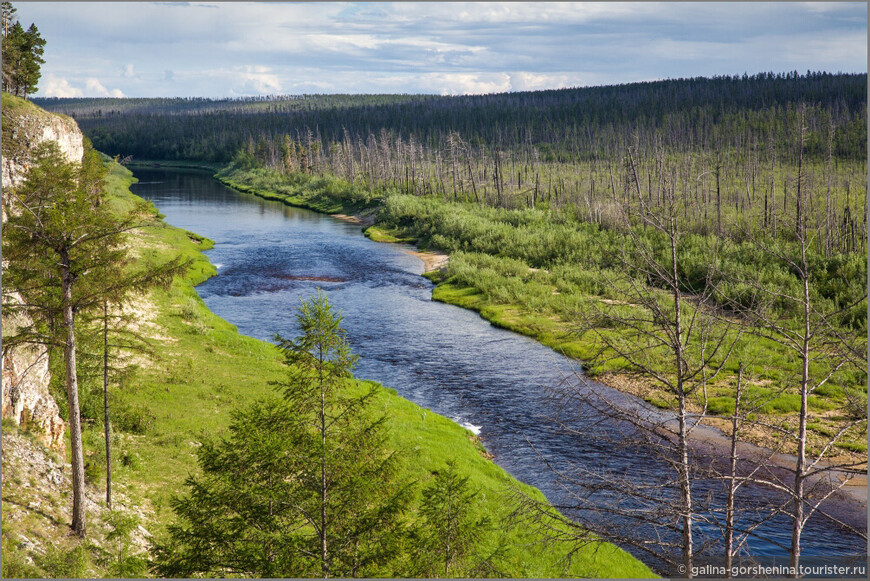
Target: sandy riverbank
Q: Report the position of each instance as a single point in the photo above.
(431, 260)
(364, 221)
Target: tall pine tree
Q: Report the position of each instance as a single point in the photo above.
(22, 54)
(302, 486)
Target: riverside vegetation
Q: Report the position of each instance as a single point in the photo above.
(204, 364)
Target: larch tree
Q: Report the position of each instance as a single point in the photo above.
(67, 255)
(302, 486)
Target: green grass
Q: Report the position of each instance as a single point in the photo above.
(205, 369)
(378, 234)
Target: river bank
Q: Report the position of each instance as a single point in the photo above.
(557, 333)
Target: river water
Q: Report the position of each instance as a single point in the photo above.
(270, 256)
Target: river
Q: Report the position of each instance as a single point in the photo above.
(271, 256)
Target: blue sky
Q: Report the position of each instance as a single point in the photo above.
(226, 49)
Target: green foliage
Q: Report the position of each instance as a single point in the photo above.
(70, 560)
(15, 565)
(450, 530)
(22, 54)
(232, 370)
(558, 126)
(134, 418)
(120, 559)
(302, 486)
(535, 270)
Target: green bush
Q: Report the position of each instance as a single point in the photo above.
(191, 310)
(63, 560)
(132, 418)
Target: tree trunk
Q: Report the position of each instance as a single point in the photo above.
(72, 389)
(799, 200)
(683, 437)
(718, 198)
(732, 473)
(106, 405)
(324, 547)
(800, 463)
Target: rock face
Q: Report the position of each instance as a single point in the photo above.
(26, 399)
(25, 130)
(25, 389)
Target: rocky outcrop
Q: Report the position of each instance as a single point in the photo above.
(25, 397)
(25, 127)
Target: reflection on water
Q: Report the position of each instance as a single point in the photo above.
(271, 256)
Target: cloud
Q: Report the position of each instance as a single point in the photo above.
(55, 87)
(530, 81)
(440, 47)
(259, 79)
(244, 80)
(96, 89)
(465, 83)
(60, 87)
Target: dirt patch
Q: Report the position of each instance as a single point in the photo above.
(364, 221)
(431, 260)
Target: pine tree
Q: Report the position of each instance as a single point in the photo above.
(302, 486)
(28, 75)
(22, 54)
(450, 531)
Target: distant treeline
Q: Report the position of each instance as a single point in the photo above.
(566, 125)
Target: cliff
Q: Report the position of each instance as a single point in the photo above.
(25, 127)
(25, 372)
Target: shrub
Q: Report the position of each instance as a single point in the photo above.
(64, 561)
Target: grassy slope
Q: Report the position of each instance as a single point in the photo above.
(206, 369)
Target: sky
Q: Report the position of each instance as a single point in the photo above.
(232, 49)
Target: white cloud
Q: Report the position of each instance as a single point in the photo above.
(55, 87)
(260, 79)
(518, 12)
(824, 7)
(246, 80)
(440, 47)
(528, 81)
(848, 50)
(96, 89)
(465, 83)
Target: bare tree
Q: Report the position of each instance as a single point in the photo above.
(821, 350)
(668, 334)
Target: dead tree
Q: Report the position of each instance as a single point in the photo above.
(667, 334)
(821, 348)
